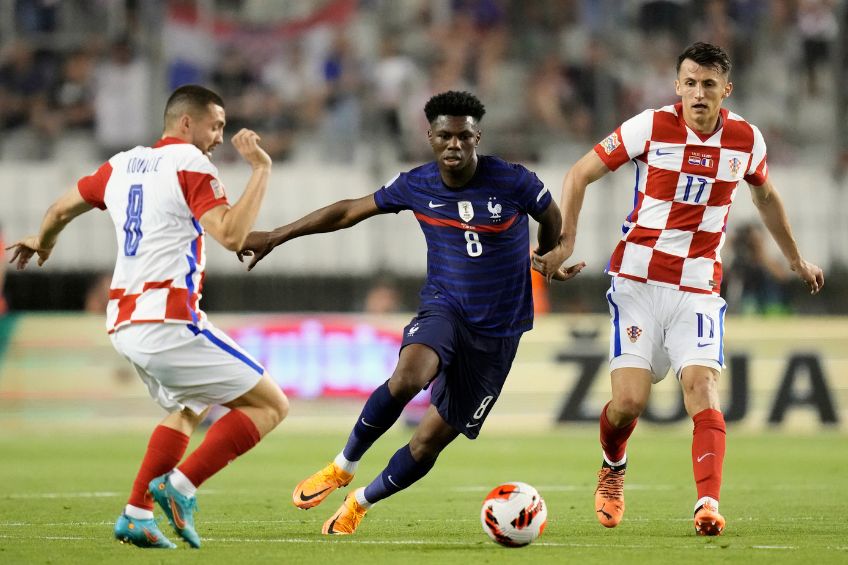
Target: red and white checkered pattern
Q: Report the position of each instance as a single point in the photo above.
(685, 184)
(162, 281)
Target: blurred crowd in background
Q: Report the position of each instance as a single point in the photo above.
(321, 79)
(345, 81)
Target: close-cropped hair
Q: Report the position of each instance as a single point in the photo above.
(706, 55)
(192, 99)
(454, 103)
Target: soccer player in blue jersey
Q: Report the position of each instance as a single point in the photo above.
(475, 303)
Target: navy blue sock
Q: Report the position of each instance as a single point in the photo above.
(401, 472)
(380, 413)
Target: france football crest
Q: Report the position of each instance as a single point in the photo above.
(466, 211)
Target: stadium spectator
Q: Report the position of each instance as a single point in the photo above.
(121, 81)
(475, 304)
(153, 315)
(23, 89)
(666, 270)
(755, 281)
(819, 27)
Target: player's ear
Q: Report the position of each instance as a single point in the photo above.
(728, 88)
(185, 122)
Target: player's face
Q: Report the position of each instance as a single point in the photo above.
(454, 141)
(702, 90)
(207, 130)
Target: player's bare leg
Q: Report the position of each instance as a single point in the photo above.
(700, 396)
(630, 390)
(250, 418)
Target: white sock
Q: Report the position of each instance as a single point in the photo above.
(182, 484)
(138, 513)
(615, 463)
(345, 465)
(706, 500)
(359, 495)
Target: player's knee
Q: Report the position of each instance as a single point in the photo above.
(279, 408)
(405, 383)
(625, 409)
(425, 448)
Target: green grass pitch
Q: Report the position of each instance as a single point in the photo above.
(784, 499)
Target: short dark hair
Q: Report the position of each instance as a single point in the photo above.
(454, 103)
(706, 55)
(190, 98)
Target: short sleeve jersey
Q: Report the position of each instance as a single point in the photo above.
(155, 196)
(478, 243)
(685, 184)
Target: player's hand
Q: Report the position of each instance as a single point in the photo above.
(24, 249)
(551, 263)
(246, 143)
(257, 245)
(810, 274)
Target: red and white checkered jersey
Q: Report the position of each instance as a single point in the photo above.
(685, 184)
(155, 196)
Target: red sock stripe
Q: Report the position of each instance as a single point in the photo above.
(614, 440)
(708, 448)
(164, 450)
(233, 435)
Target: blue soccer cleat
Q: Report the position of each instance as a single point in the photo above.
(143, 533)
(178, 508)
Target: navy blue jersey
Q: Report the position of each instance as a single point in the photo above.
(478, 241)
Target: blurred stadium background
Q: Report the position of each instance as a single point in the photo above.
(336, 88)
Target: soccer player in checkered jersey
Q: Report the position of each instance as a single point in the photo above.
(666, 270)
(163, 200)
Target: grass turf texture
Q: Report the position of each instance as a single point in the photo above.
(784, 499)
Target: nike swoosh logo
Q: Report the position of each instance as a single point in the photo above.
(704, 344)
(364, 423)
(503, 492)
(432, 205)
(660, 153)
(391, 481)
(307, 497)
(330, 529)
(704, 455)
(151, 537)
(472, 425)
(179, 523)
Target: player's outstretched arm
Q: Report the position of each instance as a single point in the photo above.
(343, 214)
(58, 215)
(584, 172)
(771, 209)
(230, 226)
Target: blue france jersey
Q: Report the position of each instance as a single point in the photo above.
(478, 241)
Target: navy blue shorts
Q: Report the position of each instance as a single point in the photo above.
(472, 370)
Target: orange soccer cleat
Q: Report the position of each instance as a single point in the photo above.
(708, 522)
(609, 496)
(346, 519)
(314, 489)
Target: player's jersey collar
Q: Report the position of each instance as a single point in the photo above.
(168, 141)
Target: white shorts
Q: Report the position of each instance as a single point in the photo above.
(185, 366)
(655, 327)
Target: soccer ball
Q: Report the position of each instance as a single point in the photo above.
(514, 514)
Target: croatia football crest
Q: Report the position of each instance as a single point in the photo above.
(466, 211)
(633, 332)
(735, 163)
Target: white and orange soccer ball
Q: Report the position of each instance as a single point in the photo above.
(514, 514)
